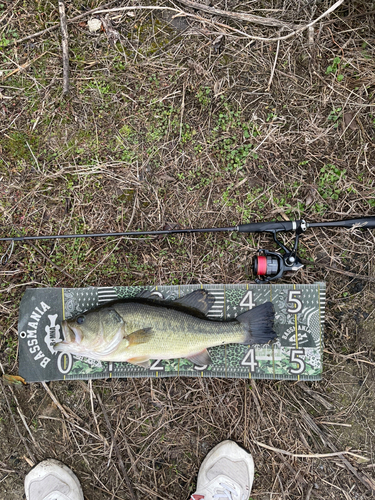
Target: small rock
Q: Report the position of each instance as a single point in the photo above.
(94, 25)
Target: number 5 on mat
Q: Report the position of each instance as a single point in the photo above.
(294, 353)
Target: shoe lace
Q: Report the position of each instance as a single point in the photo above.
(227, 492)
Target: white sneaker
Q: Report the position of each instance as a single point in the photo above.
(227, 472)
(52, 480)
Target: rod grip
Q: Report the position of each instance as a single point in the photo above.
(261, 227)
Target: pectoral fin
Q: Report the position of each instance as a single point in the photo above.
(143, 361)
(200, 358)
(140, 337)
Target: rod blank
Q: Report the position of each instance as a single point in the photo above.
(254, 227)
(129, 233)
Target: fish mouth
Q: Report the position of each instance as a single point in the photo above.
(71, 333)
(72, 339)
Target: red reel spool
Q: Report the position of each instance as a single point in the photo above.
(261, 267)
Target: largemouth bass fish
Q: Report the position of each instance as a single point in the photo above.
(138, 330)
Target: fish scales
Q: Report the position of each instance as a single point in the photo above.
(175, 334)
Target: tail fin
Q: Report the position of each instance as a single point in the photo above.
(258, 323)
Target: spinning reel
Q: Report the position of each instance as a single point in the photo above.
(269, 266)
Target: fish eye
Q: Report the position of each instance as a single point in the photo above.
(80, 320)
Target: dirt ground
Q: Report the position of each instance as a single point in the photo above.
(184, 118)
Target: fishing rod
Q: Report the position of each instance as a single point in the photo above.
(267, 265)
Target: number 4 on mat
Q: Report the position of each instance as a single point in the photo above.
(249, 360)
(247, 301)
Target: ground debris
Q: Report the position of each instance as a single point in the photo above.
(164, 130)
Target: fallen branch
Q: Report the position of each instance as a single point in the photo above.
(179, 12)
(350, 356)
(310, 455)
(64, 46)
(23, 66)
(222, 25)
(290, 35)
(242, 16)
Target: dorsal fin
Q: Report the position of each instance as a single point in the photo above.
(199, 300)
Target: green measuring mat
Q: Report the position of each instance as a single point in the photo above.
(296, 355)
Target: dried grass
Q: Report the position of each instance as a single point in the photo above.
(83, 171)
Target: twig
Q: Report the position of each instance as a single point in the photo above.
(308, 492)
(112, 495)
(119, 458)
(312, 455)
(25, 423)
(365, 480)
(92, 395)
(23, 66)
(65, 46)
(98, 10)
(349, 18)
(273, 67)
(179, 12)
(256, 400)
(335, 423)
(20, 413)
(56, 401)
(350, 356)
(342, 95)
(346, 273)
(298, 30)
(242, 16)
(182, 108)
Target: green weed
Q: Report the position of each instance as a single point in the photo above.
(232, 156)
(334, 68)
(187, 133)
(271, 117)
(328, 182)
(98, 87)
(204, 96)
(335, 116)
(7, 38)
